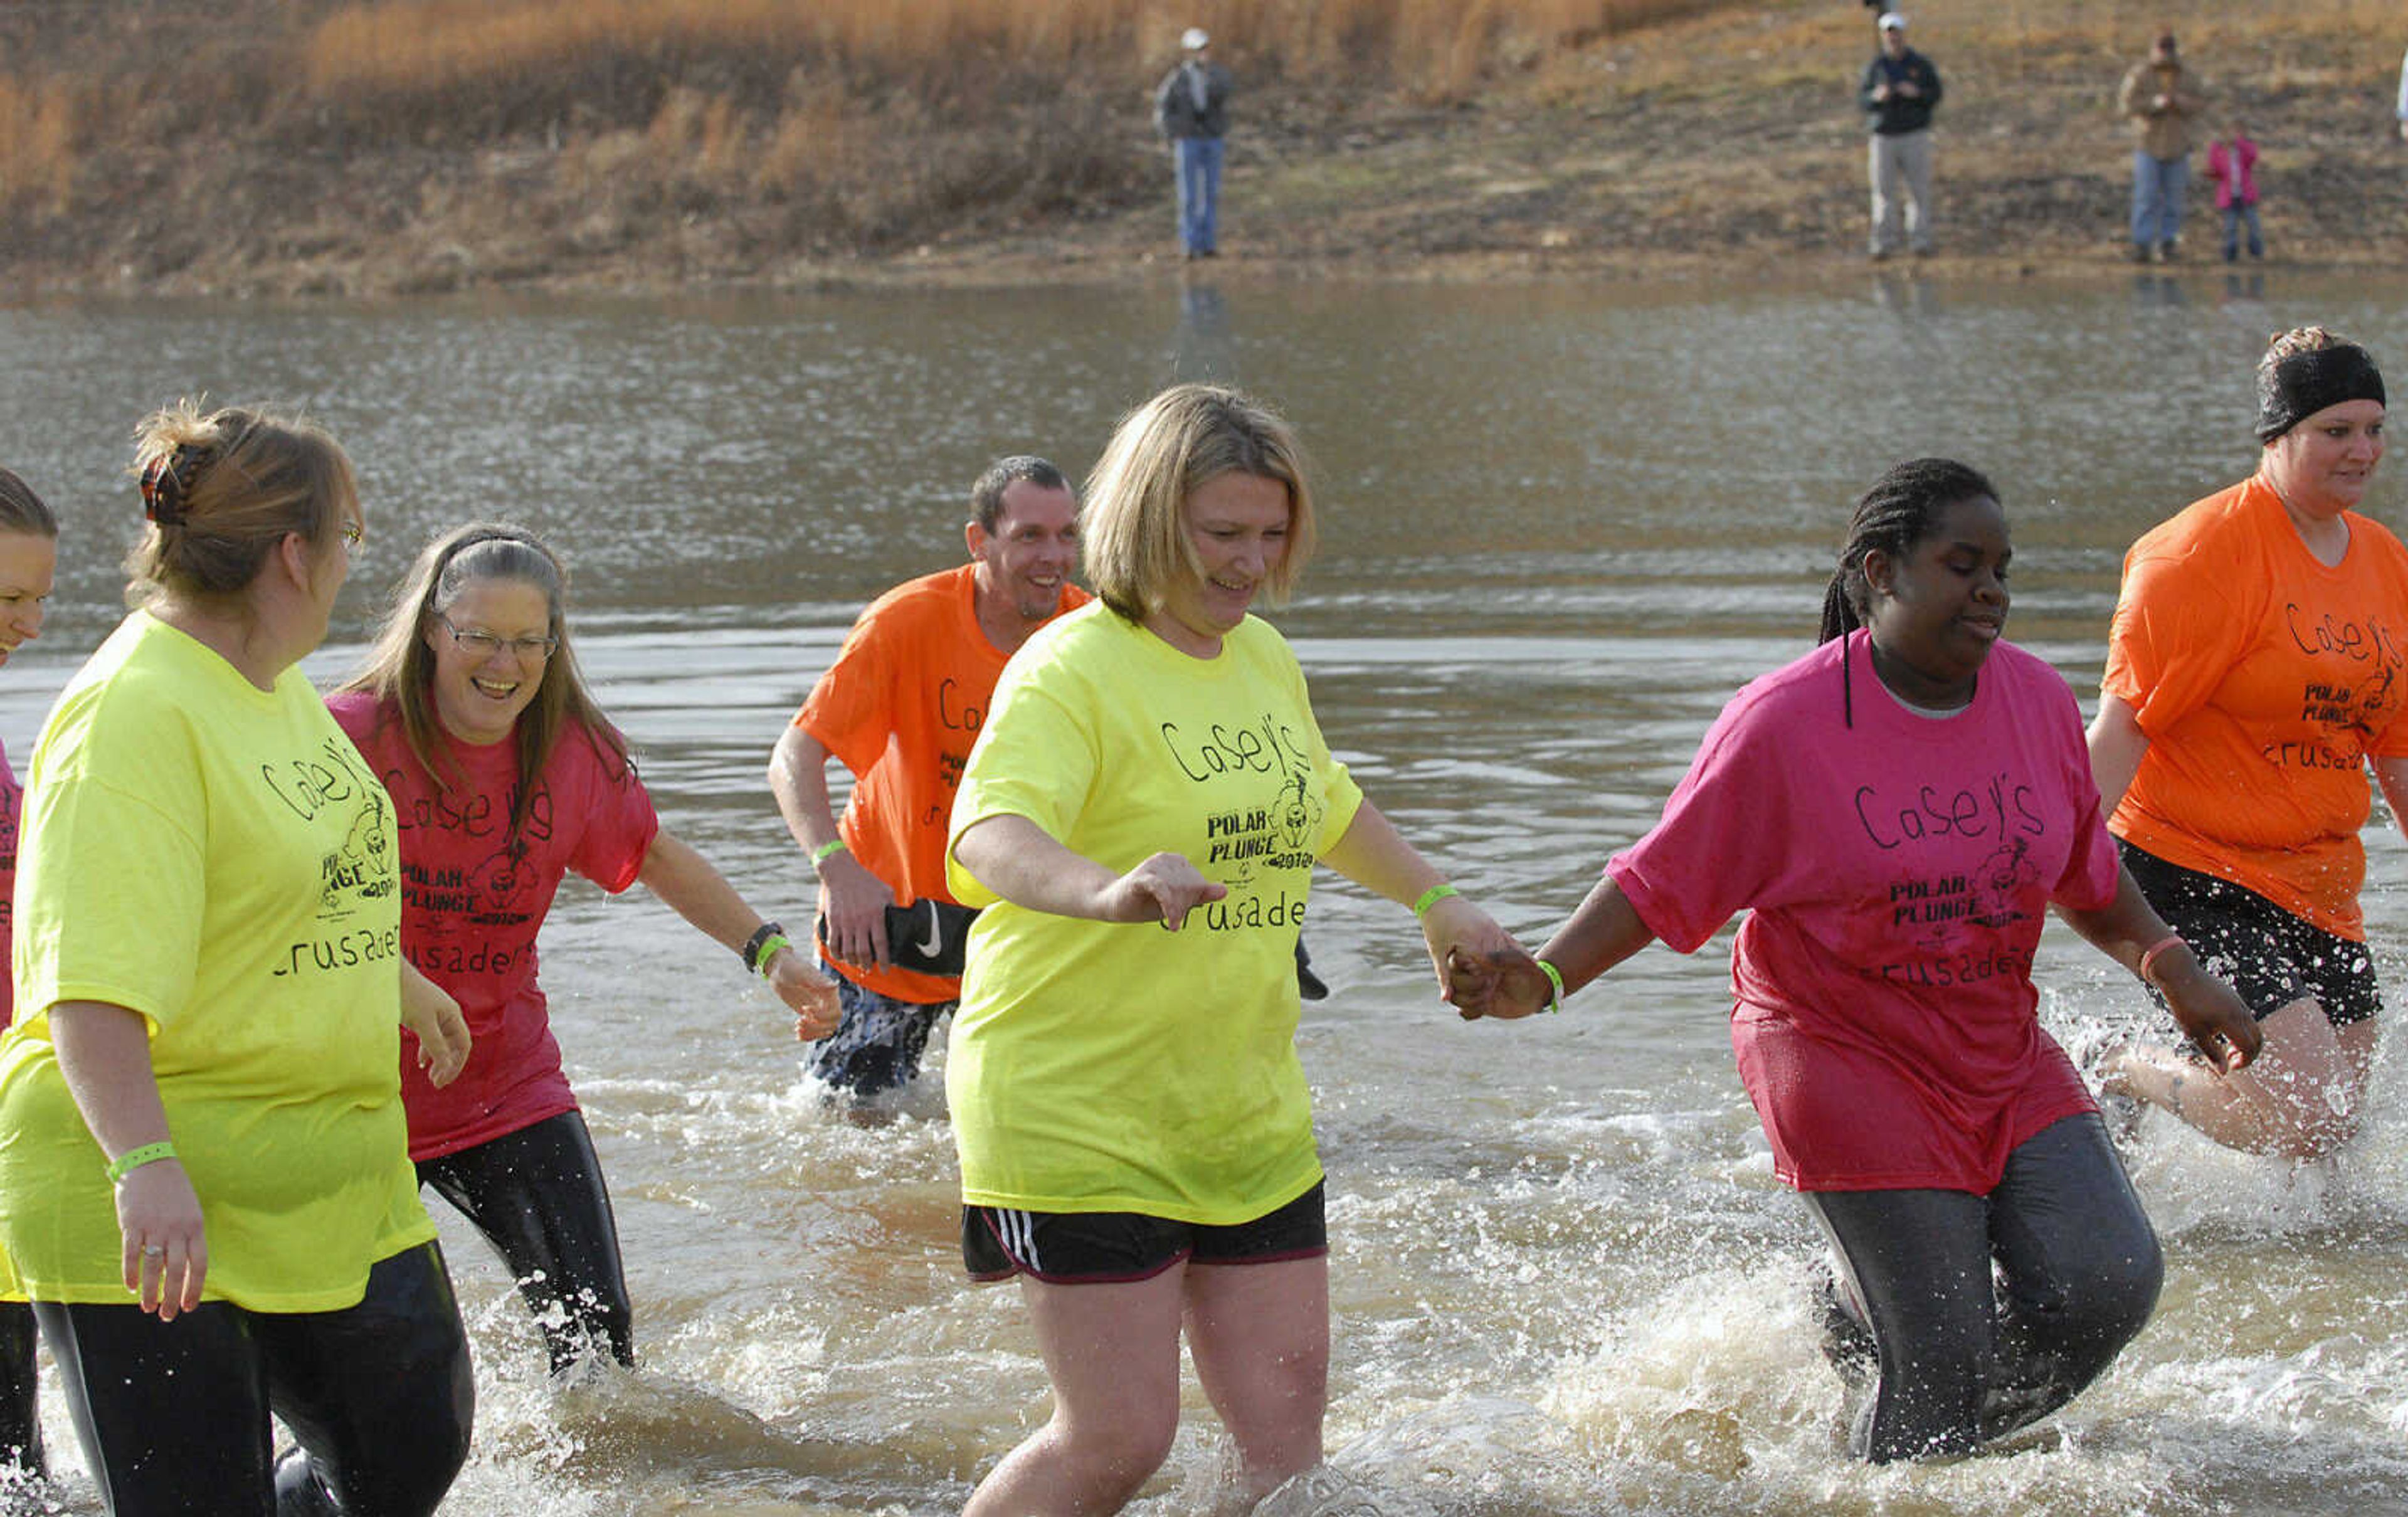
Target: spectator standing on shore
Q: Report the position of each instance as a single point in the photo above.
(901, 707)
(1899, 90)
(2232, 164)
(2160, 98)
(1190, 110)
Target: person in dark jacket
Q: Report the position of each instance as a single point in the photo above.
(1190, 109)
(1899, 90)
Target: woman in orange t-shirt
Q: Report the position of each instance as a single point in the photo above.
(2253, 673)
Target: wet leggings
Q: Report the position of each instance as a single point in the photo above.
(537, 1195)
(1987, 1313)
(20, 1425)
(174, 1416)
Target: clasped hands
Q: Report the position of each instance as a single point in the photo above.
(1503, 982)
(1482, 971)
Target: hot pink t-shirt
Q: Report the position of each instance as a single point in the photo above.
(1899, 872)
(12, 805)
(473, 897)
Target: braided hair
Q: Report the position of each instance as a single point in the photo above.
(1900, 510)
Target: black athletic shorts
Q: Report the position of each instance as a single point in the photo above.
(1105, 1248)
(2271, 957)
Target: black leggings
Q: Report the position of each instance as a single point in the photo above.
(1987, 1313)
(174, 1416)
(21, 1424)
(537, 1195)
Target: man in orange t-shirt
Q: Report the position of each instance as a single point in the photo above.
(900, 709)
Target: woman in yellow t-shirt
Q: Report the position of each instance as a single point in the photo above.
(1141, 819)
(205, 1192)
(2253, 673)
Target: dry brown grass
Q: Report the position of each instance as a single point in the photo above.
(37, 142)
(437, 49)
(865, 121)
(773, 130)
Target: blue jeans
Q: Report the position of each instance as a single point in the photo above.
(2233, 218)
(1200, 194)
(877, 1039)
(2158, 198)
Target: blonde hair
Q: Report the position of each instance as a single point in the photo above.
(401, 669)
(1133, 536)
(222, 490)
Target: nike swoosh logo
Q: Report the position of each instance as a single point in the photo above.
(930, 945)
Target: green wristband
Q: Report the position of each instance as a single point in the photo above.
(825, 850)
(1431, 898)
(1555, 978)
(770, 947)
(133, 1159)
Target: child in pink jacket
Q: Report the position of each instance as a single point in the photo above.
(2232, 162)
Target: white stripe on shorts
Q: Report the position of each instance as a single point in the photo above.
(1020, 1237)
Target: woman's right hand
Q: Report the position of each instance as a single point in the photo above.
(853, 904)
(430, 1012)
(1164, 888)
(166, 1249)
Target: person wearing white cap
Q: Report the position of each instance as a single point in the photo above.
(1899, 90)
(1190, 109)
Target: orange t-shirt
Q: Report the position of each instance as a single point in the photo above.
(2263, 681)
(900, 708)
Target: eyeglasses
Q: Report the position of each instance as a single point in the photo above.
(485, 645)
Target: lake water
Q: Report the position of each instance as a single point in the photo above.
(1562, 525)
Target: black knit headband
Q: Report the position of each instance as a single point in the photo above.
(2303, 384)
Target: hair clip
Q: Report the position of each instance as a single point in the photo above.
(164, 485)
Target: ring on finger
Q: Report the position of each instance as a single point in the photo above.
(154, 1250)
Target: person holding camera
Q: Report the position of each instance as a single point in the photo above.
(1898, 94)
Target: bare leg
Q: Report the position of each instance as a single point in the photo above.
(1112, 1353)
(1260, 1338)
(2300, 1100)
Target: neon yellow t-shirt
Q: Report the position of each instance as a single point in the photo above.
(1102, 1067)
(220, 860)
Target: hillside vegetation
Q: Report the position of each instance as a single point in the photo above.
(420, 145)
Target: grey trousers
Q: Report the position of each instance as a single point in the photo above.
(1901, 165)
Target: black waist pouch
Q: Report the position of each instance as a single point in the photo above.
(927, 935)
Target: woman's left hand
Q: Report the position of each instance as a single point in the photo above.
(808, 994)
(428, 1010)
(2217, 1022)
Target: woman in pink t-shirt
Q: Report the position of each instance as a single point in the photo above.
(29, 554)
(1897, 810)
(504, 776)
